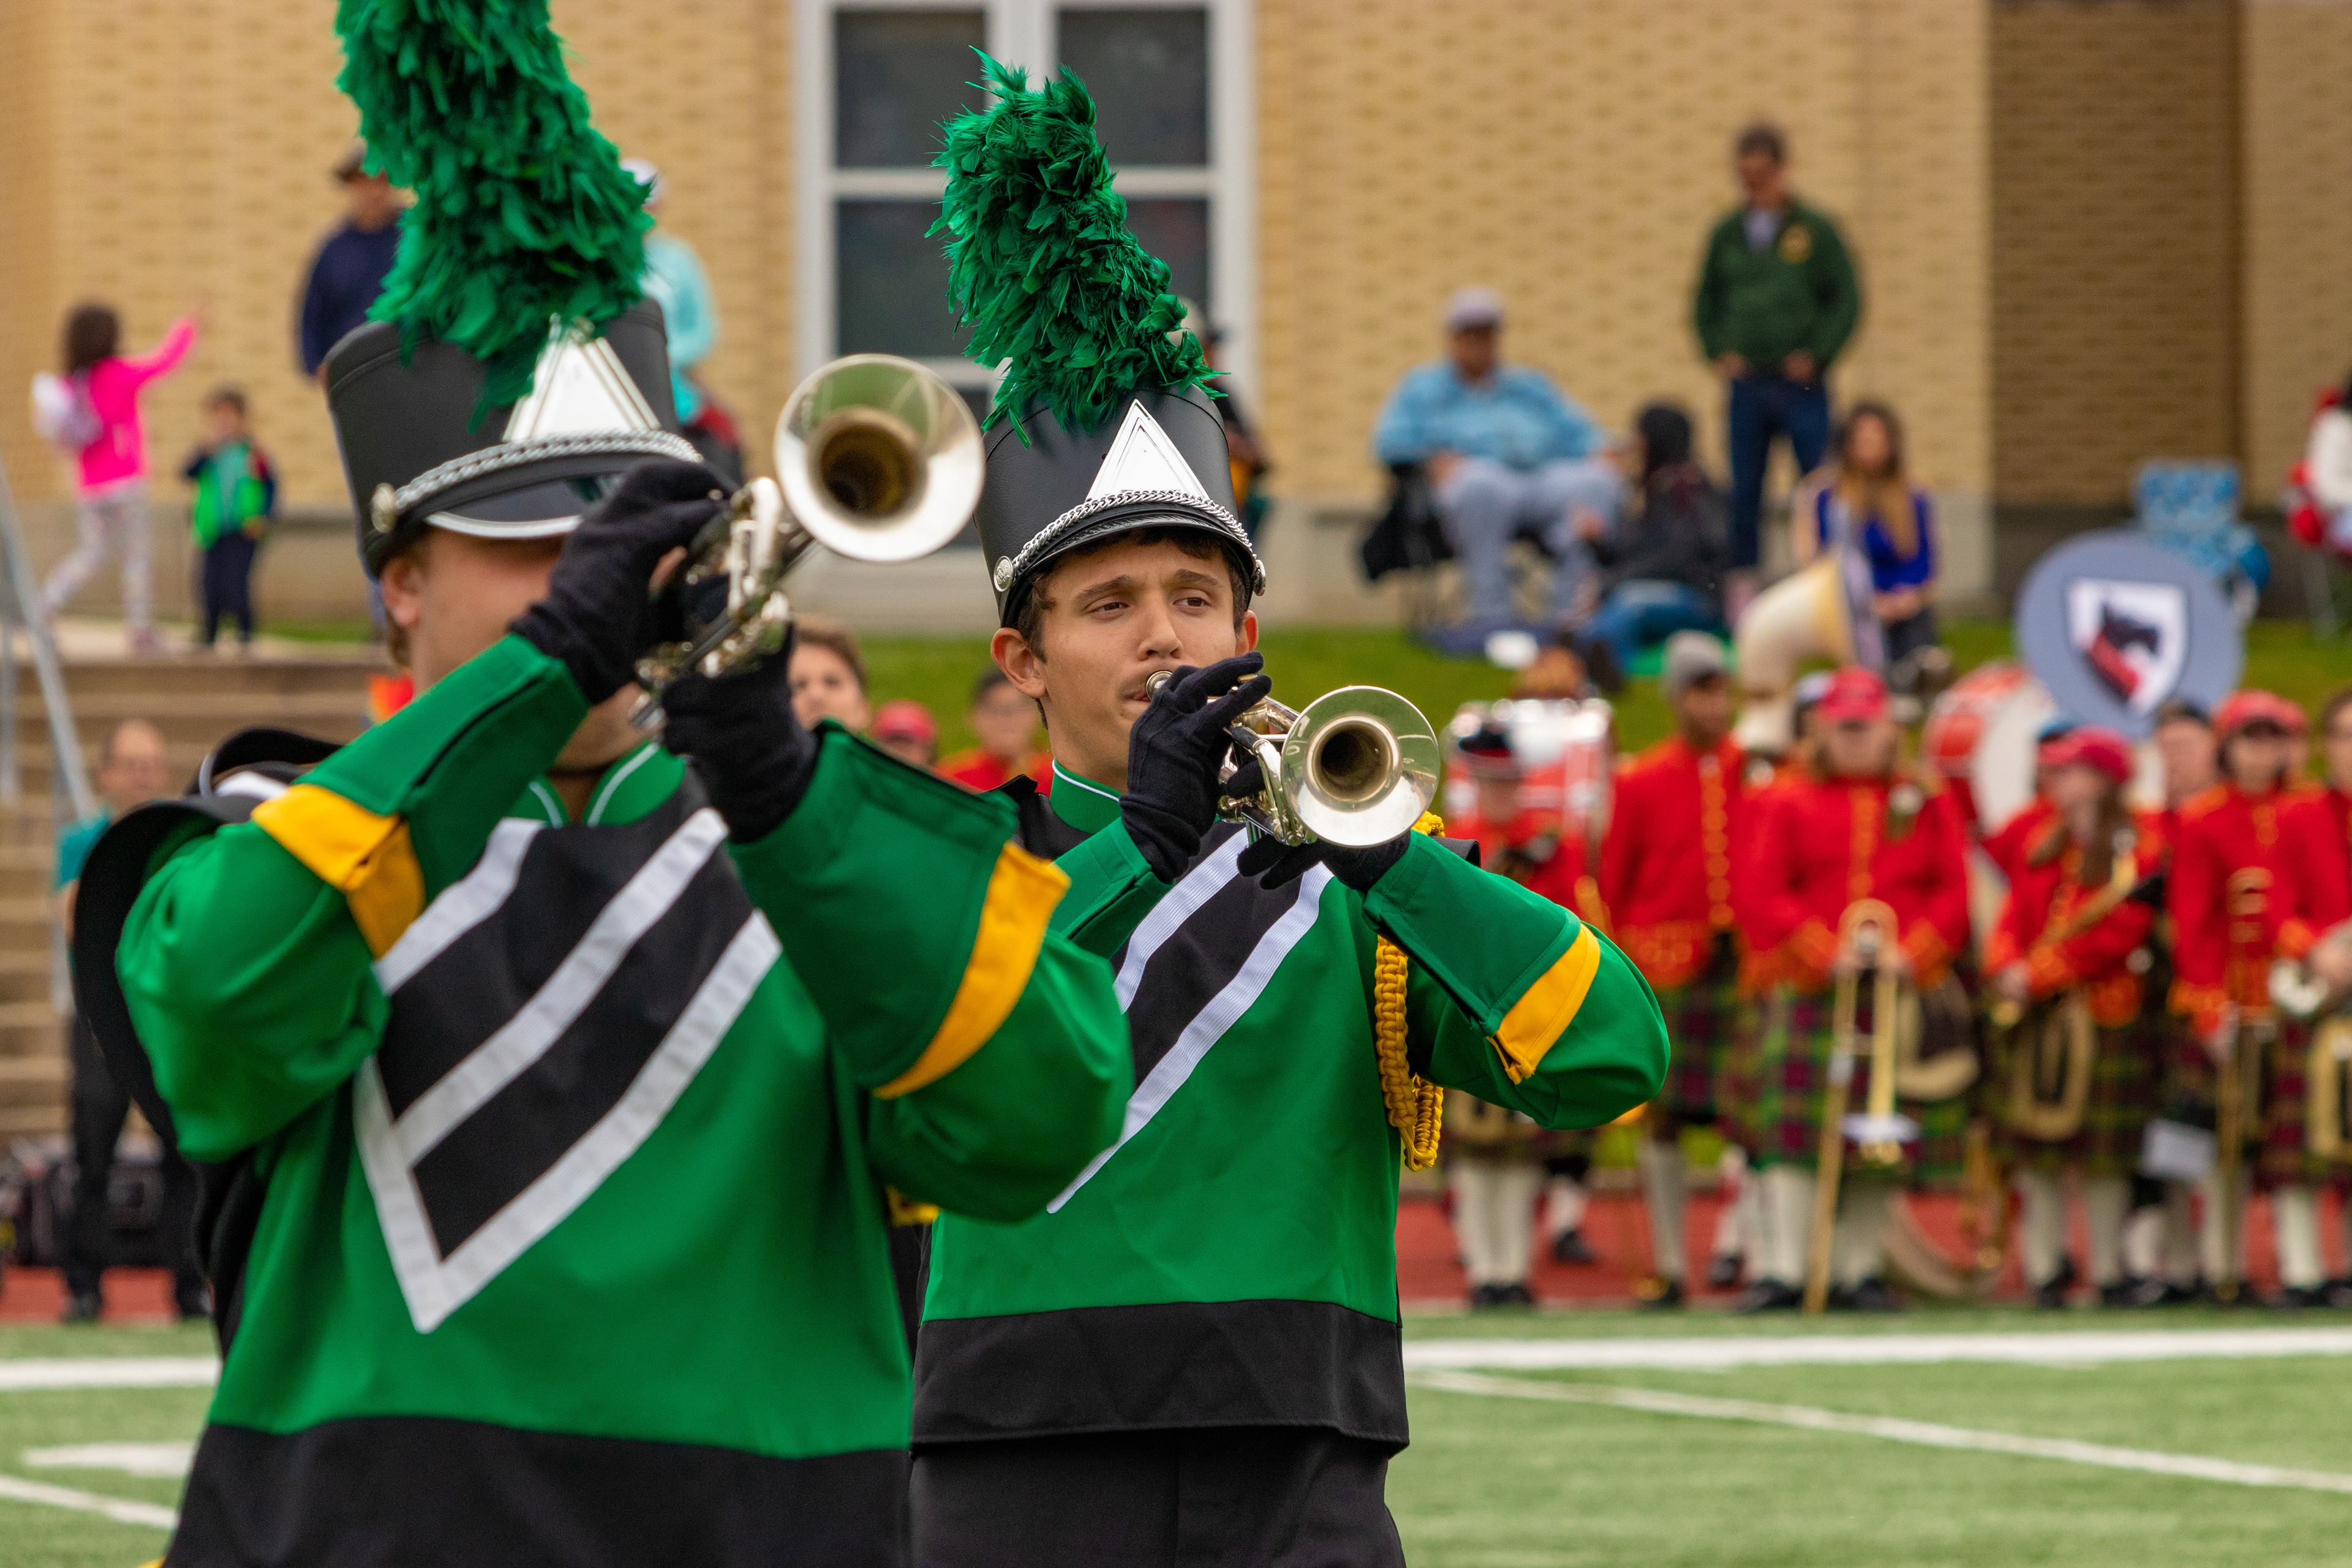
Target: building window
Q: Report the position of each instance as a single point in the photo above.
(875, 79)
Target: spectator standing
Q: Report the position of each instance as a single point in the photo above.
(132, 771)
(828, 676)
(1005, 723)
(1245, 449)
(1502, 450)
(674, 278)
(112, 467)
(236, 496)
(1663, 567)
(907, 731)
(1777, 301)
(1866, 501)
(349, 271)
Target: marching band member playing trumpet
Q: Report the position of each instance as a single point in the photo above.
(1666, 877)
(1859, 827)
(2254, 878)
(2065, 964)
(1195, 1354)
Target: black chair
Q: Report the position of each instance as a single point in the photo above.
(1408, 536)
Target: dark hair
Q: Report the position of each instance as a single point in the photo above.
(1764, 137)
(2182, 710)
(92, 334)
(1030, 617)
(989, 679)
(835, 639)
(1666, 432)
(228, 396)
(2337, 700)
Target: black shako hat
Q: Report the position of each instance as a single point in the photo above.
(417, 455)
(1160, 462)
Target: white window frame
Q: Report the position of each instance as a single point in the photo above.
(1020, 32)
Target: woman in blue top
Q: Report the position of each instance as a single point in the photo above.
(1864, 501)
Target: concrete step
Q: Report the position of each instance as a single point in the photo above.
(47, 1072)
(31, 1120)
(156, 677)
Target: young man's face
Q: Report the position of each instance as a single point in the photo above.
(1704, 708)
(1108, 620)
(2186, 748)
(2256, 757)
(454, 595)
(1005, 723)
(824, 687)
(1858, 748)
(1763, 179)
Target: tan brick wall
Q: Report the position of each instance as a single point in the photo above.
(2297, 304)
(1573, 156)
(2115, 233)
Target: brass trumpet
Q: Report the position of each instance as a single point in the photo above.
(878, 460)
(1355, 767)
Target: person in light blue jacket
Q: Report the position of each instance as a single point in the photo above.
(1503, 448)
(674, 278)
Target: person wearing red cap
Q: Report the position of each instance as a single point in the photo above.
(1006, 724)
(2009, 846)
(2067, 962)
(1496, 1159)
(2253, 879)
(906, 730)
(1669, 891)
(1859, 827)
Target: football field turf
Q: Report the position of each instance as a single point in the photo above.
(1558, 1440)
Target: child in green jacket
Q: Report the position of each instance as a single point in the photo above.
(236, 495)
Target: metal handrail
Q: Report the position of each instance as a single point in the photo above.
(19, 600)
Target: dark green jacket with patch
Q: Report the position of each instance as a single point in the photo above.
(1798, 292)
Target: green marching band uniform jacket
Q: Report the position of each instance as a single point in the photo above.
(1231, 1259)
(572, 1140)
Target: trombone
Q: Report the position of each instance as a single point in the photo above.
(1354, 767)
(878, 460)
(1868, 932)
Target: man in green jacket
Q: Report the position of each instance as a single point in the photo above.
(1194, 1354)
(1777, 301)
(556, 1089)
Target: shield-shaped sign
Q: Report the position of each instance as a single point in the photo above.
(2133, 636)
(2116, 625)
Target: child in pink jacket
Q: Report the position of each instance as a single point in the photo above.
(113, 465)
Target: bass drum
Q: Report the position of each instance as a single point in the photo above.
(1566, 751)
(1979, 741)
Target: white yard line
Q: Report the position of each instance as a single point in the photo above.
(115, 1509)
(1927, 1434)
(1727, 1352)
(161, 1461)
(109, 1371)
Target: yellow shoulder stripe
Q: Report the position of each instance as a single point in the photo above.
(1022, 893)
(366, 857)
(1544, 1013)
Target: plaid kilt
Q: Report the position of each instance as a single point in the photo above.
(1702, 1021)
(1791, 1062)
(2127, 1080)
(2285, 1158)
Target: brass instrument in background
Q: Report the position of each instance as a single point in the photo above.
(1356, 766)
(878, 460)
(1868, 932)
(2297, 991)
(2052, 1048)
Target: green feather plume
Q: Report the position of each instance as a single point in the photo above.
(522, 212)
(1041, 264)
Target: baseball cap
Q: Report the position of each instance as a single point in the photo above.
(1689, 657)
(2089, 746)
(905, 719)
(1487, 752)
(1855, 694)
(1472, 307)
(2256, 706)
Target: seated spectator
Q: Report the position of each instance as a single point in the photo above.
(2327, 469)
(907, 731)
(1864, 501)
(1503, 450)
(1662, 568)
(828, 675)
(1006, 725)
(236, 493)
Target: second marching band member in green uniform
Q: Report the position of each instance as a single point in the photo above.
(1196, 1346)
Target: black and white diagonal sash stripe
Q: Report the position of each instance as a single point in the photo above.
(1192, 967)
(547, 1011)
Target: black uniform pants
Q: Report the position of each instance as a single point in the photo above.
(99, 1109)
(1263, 1497)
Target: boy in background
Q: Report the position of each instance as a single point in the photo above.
(1006, 723)
(236, 495)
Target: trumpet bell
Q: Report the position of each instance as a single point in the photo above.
(879, 459)
(1360, 764)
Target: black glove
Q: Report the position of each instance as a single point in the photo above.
(600, 613)
(1174, 755)
(750, 751)
(1283, 864)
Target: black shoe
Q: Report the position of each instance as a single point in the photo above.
(1722, 1271)
(1658, 1295)
(1514, 1294)
(2126, 1293)
(2340, 1293)
(192, 1302)
(1768, 1295)
(2165, 1293)
(1870, 1296)
(2297, 1298)
(2051, 1296)
(1481, 1297)
(83, 1307)
(1568, 1246)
